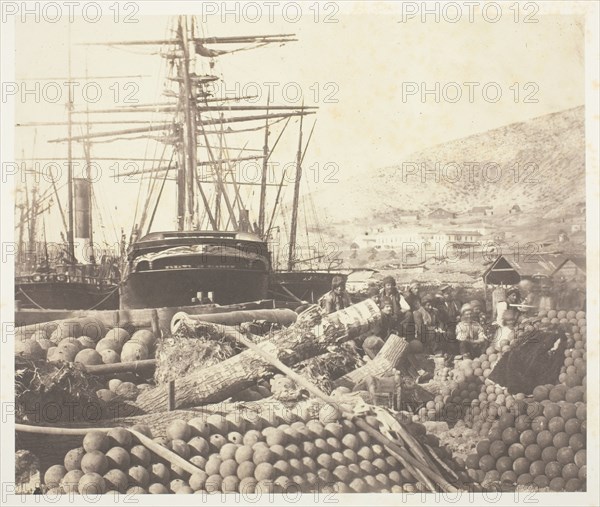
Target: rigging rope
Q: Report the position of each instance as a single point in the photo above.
(308, 248)
(152, 186)
(87, 310)
(31, 300)
(152, 121)
(102, 301)
(283, 215)
(315, 217)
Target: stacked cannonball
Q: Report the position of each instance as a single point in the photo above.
(265, 456)
(484, 364)
(239, 455)
(466, 394)
(541, 439)
(573, 372)
(544, 445)
(106, 462)
(115, 346)
(46, 340)
(97, 347)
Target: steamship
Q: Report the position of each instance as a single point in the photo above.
(56, 281)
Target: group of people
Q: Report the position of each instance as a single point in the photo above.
(439, 320)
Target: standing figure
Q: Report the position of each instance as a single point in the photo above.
(372, 344)
(547, 299)
(478, 313)
(512, 300)
(449, 313)
(337, 298)
(506, 332)
(498, 296)
(469, 334)
(576, 292)
(401, 311)
(427, 324)
(373, 293)
(412, 297)
(528, 297)
(451, 304)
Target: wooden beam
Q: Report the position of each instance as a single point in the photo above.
(153, 106)
(95, 122)
(155, 128)
(166, 126)
(243, 39)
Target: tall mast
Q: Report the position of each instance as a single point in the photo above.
(33, 210)
(45, 241)
(192, 101)
(294, 225)
(190, 125)
(70, 241)
(88, 172)
(20, 255)
(219, 167)
(263, 181)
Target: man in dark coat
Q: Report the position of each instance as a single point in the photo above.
(451, 306)
(373, 344)
(412, 296)
(427, 324)
(449, 314)
(337, 298)
(401, 311)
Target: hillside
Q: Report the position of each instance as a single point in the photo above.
(538, 164)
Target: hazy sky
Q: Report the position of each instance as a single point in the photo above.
(355, 70)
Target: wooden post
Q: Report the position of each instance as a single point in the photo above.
(171, 391)
(485, 294)
(155, 325)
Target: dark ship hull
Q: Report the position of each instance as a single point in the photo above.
(185, 268)
(46, 292)
(181, 287)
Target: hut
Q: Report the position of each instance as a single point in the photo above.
(572, 268)
(501, 272)
(481, 211)
(506, 270)
(515, 209)
(441, 213)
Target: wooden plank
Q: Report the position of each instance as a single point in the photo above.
(129, 367)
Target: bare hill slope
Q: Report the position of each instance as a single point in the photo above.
(538, 164)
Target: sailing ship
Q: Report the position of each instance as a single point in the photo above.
(216, 253)
(58, 280)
